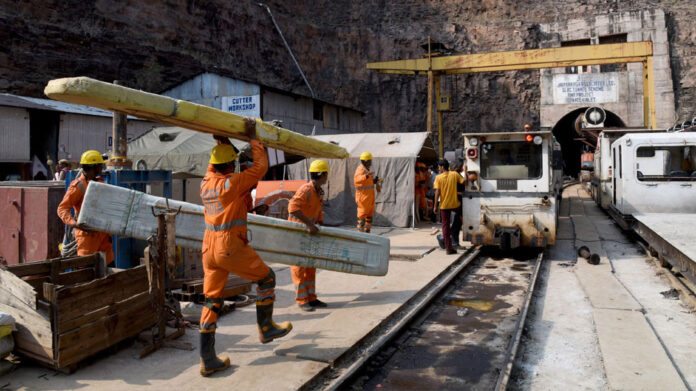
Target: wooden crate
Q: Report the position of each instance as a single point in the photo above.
(69, 309)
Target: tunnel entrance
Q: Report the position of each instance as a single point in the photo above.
(566, 135)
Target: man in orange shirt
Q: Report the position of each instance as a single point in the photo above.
(88, 242)
(364, 181)
(226, 248)
(305, 207)
(446, 193)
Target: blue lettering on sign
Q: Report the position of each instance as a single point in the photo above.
(241, 107)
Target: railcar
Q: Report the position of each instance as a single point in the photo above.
(511, 195)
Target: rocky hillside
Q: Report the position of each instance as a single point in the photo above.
(156, 45)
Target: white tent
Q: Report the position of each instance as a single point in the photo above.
(185, 152)
(394, 159)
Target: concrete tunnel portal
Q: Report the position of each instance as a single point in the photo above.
(566, 135)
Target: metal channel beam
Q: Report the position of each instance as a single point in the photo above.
(680, 261)
(615, 53)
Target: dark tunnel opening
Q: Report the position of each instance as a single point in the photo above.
(565, 134)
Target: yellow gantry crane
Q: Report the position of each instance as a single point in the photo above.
(615, 53)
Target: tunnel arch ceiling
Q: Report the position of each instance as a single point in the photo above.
(566, 135)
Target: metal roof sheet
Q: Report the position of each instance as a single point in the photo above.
(53, 105)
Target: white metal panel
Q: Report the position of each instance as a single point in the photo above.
(127, 212)
(635, 196)
(14, 135)
(78, 133)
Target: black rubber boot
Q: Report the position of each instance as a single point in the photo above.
(210, 362)
(268, 329)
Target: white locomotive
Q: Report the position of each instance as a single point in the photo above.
(511, 195)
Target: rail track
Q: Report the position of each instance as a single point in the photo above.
(462, 331)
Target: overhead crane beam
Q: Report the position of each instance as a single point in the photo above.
(614, 53)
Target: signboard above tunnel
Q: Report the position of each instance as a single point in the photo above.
(585, 88)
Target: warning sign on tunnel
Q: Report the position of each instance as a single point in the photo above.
(585, 88)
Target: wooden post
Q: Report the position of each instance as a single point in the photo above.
(429, 126)
(161, 254)
(119, 139)
(164, 255)
(439, 118)
(170, 222)
(430, 102)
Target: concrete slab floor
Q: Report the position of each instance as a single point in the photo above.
(560, 348)
(254, 365)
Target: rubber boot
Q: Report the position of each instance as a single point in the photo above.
(268, 329)
(210, 362)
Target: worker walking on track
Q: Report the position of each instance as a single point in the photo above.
(446, 192)
(226, 248)
(305, 207)
(88, 242)
(365, 181)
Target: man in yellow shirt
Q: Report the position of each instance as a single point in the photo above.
(446, 193)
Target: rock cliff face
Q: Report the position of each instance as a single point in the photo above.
(156, 45)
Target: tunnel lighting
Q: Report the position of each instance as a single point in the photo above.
(473, 141)
(538, 140)
(529, 138)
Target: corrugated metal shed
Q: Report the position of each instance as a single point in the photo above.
(78, 133)
(295, 111)
(14, 134)
(209, 88)
(52, 105)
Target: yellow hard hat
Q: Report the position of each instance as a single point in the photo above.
(319, 166)
(365, 156)
(91, 157)
(223, 153)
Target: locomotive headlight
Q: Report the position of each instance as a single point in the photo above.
(473, 141)
(537, 140)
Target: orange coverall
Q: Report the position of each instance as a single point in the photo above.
(364, 197)
(423, 190)
(87, 242)
(307, 201)
(225, 245)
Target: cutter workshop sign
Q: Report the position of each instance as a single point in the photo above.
(247, 106)
(585, 88)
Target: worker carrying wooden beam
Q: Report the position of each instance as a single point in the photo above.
(305, 207)
(365, 181)
(226, 247)
(88, 242)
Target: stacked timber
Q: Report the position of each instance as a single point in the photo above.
(69, 309)
(159, 108)
(129, 213)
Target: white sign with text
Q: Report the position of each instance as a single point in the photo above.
(585, 88)
(246, 106)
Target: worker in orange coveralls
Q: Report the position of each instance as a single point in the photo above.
(305, 207)
(88, 242)
(226, 248)
(365, 181)
(422, 177)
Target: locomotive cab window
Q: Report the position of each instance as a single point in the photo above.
(511, 160)
(666, 164)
